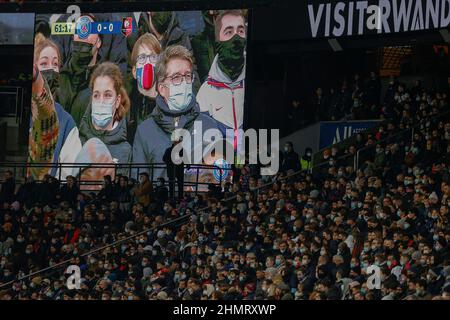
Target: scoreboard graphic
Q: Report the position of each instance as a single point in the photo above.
(84, 27)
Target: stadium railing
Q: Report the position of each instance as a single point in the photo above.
(131, 170)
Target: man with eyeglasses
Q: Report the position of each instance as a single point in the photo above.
(176, 108)
(222, 94)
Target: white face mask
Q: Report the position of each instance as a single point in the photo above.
(102, 113)
(180, 96)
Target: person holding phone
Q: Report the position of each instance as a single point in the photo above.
(54, 136)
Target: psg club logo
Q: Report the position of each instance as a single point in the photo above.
(127, 26)
(84, 27)
(221, 175)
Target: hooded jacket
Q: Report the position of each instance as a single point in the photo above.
(153, 136)
(115, 140)
(223, 98)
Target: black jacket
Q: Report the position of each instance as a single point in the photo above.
(290, 161)
(7, 191)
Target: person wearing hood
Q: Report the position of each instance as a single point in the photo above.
(222, 94)
(105, 118)
(306, 159)
(176, 108)
(164, 25)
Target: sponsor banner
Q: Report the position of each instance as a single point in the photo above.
(332, 132)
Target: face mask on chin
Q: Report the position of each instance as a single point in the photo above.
(180, 96)
(231, 58)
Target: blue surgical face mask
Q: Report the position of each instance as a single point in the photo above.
(180, 96)
(102, 113)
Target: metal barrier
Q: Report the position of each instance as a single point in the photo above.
(131, 171)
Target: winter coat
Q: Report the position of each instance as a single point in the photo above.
(153, 136)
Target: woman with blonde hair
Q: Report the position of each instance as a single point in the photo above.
(54, 136)
(105, 117)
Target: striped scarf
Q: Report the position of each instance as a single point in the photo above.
(43, 133)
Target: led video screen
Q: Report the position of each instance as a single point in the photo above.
(112, 88)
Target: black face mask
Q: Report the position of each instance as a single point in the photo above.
(231, 56)
(52, 78)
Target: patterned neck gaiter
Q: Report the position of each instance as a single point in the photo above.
(43, 133)
(231, 56)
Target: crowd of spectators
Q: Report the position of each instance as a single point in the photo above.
(353, 99)
(404, 110)
(310, 235)
(357, 98)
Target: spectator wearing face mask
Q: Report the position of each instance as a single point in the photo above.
(164, 25)
(289, 158)
(144, 56)
(105, 118)
(222, 94)
(176, 108)
(306, 160)
(318, 237)
(78, 59)
(48, 118)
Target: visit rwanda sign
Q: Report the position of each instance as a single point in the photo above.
(351, 18)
